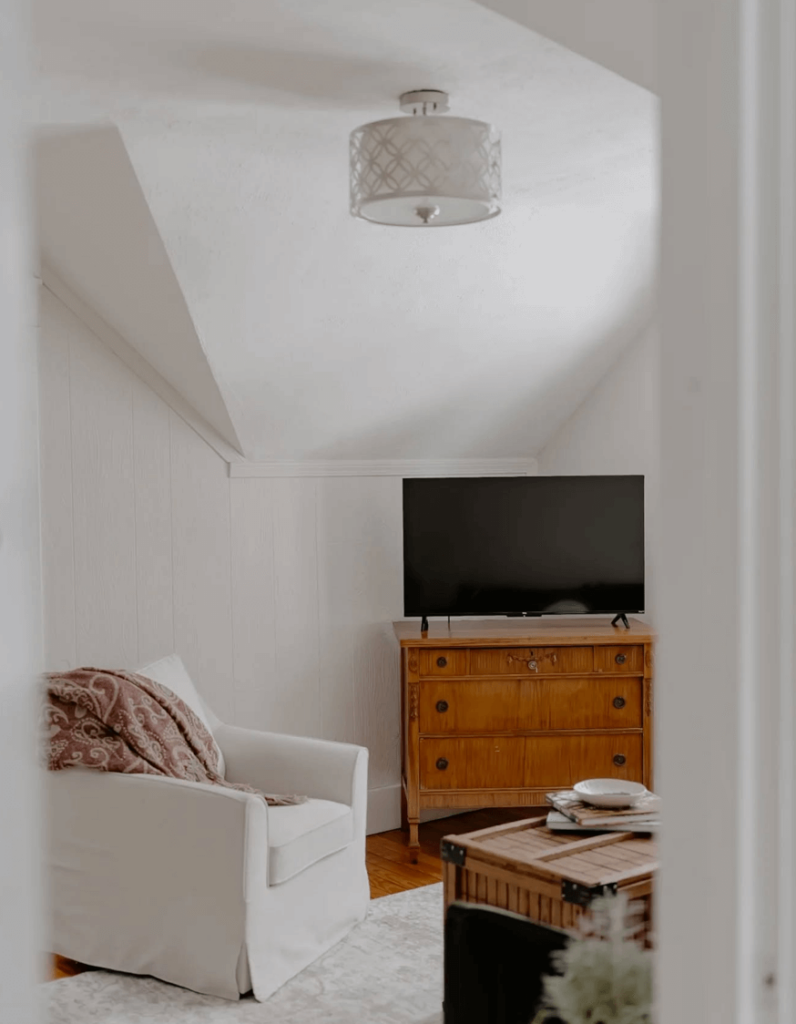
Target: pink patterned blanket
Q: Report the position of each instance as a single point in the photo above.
(123, 722)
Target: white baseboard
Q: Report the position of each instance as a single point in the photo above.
(384, 810)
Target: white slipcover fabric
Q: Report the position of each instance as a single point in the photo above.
(207, 887)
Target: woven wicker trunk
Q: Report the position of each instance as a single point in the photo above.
(550, 877)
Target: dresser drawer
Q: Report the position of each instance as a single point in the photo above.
(472, 763)
(519, 661)
(534, 762)
(590, 703)
(561, 761)
(443, 662)
(624, 658)
(469, 705)
(509, 705)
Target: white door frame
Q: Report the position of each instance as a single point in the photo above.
(724, 685)
(725, 703)
(20, 576)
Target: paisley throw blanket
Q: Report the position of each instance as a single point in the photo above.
(123, 722)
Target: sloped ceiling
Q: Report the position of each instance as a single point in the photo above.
(99, 238)
(330, 337)
(622, 35)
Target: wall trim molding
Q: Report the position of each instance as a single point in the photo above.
(135, 362)
(387, 467)
(384, 809)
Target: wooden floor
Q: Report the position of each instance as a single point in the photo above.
(389, 866)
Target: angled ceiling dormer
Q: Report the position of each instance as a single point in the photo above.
(330, 338)
(97, 234)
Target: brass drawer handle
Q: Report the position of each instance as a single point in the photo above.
(442, 706)
(442, 763)
(621, 659)
(619, 760)
(619, 702)
(532, 665)
(442, 662)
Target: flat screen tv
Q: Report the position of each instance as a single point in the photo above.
(545, 545)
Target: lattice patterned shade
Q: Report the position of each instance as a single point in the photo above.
(425, 171)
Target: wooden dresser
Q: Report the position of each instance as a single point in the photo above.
(497, 713)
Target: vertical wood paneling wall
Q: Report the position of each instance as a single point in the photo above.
(277, 593)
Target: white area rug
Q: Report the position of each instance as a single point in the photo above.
(388, 970)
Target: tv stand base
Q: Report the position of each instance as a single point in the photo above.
(621, 617)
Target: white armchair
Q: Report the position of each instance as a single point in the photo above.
(203, 886)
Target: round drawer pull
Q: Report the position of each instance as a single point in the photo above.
(532, 665)
(619, 702)
(442, 706)
(619, 760)
(621, 659)
(442, 662)
(442, 763)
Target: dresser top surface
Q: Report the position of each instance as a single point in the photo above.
(519, 632)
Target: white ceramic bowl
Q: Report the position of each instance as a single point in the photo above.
(610, 792)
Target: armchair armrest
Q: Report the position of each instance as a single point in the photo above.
(292, 764)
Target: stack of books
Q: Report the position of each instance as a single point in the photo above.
(571, 814)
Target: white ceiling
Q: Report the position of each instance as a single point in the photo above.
(330, 337)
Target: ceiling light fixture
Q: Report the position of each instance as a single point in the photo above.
(425, 170)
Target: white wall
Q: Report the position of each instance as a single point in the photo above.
(278, 593)
(616, 431)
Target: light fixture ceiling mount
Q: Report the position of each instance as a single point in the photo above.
(425, 170)
(424, 101)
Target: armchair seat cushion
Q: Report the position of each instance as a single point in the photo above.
(300, 836)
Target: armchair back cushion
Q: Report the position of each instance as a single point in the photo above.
(171, 672)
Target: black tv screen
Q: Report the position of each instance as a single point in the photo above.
(552, 545)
